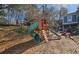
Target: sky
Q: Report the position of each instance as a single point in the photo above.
(71, 7)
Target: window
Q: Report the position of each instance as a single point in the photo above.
(65, 19)
(78, 19)
(74, 18)
(69, 18)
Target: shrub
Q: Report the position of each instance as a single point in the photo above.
(21, 30)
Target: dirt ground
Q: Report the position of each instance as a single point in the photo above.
(63, 46)
(14, 43)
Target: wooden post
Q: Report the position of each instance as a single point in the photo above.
(45, 36)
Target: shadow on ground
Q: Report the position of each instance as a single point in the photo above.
(20, 48)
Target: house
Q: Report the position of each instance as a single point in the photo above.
(71, 20)
(12, 16)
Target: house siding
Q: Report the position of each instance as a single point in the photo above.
(70, 19)
(12, 16)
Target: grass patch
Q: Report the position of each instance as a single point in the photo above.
(21, 30)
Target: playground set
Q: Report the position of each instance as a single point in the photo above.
(40, 30)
